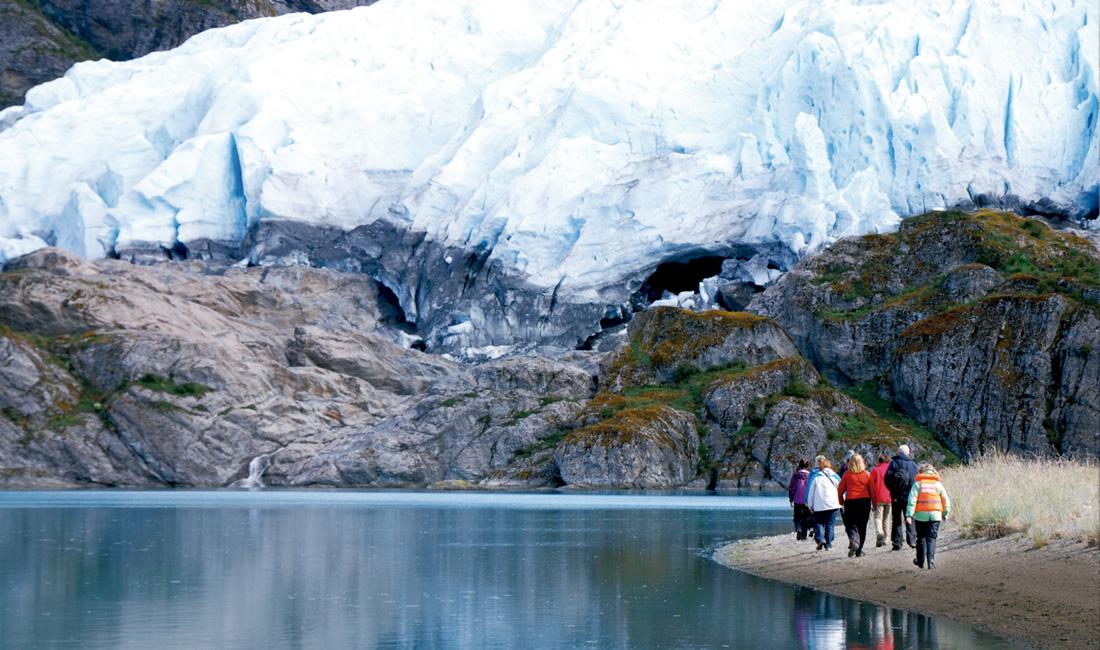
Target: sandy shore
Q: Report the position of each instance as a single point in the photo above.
(1047, 598)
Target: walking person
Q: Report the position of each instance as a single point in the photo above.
(927, 505)
(796, 494)
(880, 500)
(823, 501)
(844, 463)
(899, 480)
(855, 497)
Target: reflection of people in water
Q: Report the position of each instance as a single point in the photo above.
(817, 622)
(821, 620)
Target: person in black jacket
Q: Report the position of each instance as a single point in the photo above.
(899, 479)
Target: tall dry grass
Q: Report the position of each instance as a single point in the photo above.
(1043, 499)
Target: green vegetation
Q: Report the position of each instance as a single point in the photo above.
(684, 394)
(14, 416)
(56, 40)
(883, 423)
(521, 414)
(170, 386)
(544, 443)
(58, 351)
(451, 402)
(899, 271)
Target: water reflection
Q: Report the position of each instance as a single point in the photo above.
(380, 576)
(821, 620)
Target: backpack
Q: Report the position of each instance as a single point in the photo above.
(897, 477)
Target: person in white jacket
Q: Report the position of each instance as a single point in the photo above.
(822, 499)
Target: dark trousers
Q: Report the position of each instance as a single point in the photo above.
(856, 514)
(824, 528)
(897, 520)
(927, 532)
(803, 521)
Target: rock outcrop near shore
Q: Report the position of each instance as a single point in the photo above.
(961, 333)
(181, 374)
(984, 327)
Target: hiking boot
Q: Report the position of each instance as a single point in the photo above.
(820, 546)
(917, 562)
(859, 553)
(851, 552)
(895, 548)
(930, 564)
(880, 542)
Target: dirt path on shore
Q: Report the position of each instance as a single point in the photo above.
(1048, 597)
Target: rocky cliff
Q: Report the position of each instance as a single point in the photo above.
(958, 334)
(983, 326)
(40, 40)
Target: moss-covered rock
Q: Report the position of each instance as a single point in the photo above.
(646, 447)
(667, 343)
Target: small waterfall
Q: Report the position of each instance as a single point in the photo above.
(256, 469)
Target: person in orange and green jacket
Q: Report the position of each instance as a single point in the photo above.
(928, 506)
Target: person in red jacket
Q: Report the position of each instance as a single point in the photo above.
(880, 500)
(855, 498)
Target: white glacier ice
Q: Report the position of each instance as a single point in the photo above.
(582, 142)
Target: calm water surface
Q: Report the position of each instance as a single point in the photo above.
(270, 569)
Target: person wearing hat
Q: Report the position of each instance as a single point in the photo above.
(927, 506)
(899, 480)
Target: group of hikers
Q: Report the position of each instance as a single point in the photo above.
(907, 503)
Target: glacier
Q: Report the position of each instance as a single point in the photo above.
(493, 162)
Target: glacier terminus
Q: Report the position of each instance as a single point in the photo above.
(518, 171)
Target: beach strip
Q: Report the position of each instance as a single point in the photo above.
(1046, 597)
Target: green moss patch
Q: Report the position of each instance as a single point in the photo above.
(1033, 258)
(170, 386)
(883, 423)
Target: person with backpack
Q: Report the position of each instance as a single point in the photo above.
(855, 498)
(880, 500)
(900, 475)
(822, 499)
(927, 505)
(796, 494)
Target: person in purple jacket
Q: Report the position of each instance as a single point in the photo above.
(796, 494)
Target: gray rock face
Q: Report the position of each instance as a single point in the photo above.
(192, 375)
(478, 421)
(730, 403)
(657, 448)
(984, 325)
(1016, 374)
(170, 374)
(47, 437)
(32, 50)
(39, 41)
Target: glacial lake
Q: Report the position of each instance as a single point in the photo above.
(366, 569)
